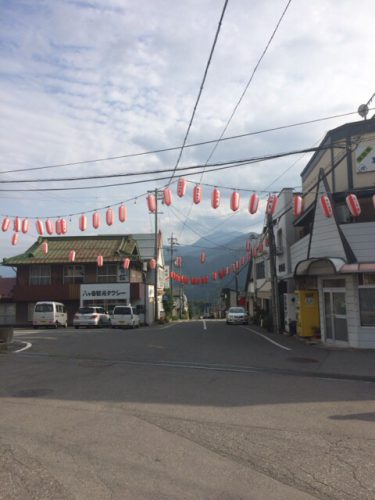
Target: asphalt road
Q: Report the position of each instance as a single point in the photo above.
(196, 410)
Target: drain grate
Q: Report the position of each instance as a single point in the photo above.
(303, 360)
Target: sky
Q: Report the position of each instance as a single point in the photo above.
(85, 80)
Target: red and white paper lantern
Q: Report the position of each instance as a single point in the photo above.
(215, 198)
(353, 205)
(14, 238)
(197, 194)
(39, 227)
(203, 258)
(45, 247)
(25, 226)
(151, 203)
(83, 222)
(178, 262)
(96, 220)
(326, 206)
(58, 227)
(49, 227)
(297, 205)
(72, 256)
(214, 275)
(122, 213)
(109, 217)
(63, 226)
(99, 261)
(167, 196)
(271, 204)
(126, 263)
(253, 203)
(235, 201)
(181, 187)
(17, 225)
(6, 224)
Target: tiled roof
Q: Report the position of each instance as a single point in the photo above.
(113, 248)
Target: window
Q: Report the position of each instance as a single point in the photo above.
(74, 274)
(260, 270)
(40, 275)
(107, 273)
(366, 291)
(281, 268)
(43, 308)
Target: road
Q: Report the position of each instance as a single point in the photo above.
(194, 410)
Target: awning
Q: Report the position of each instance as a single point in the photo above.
(364, 267)
(306, 267)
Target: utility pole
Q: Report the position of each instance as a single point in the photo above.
(173, 242)
(274, 282)
(158, 196)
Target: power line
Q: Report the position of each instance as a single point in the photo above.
(200, 90)
(174, 148)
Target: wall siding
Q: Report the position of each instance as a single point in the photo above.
(299, 251)
(361, 238)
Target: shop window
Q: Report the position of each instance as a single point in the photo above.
(107, 274)
(74, 274)
(366, 291)
(40, 275)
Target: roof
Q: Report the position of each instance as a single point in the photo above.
(113, 248)
(6, 287)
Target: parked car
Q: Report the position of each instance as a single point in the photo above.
(50, 314)
(124, 316)
(91, 316)
(237, 315)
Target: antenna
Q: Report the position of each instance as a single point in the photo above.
(363, 110)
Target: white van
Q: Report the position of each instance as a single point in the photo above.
(124, 316)
(50, 314)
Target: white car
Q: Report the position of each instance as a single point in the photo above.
(91, 316)
(237, 315)
(124, 316)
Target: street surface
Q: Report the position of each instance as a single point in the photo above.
(193, 410)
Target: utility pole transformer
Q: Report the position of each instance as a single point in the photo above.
(274, 282)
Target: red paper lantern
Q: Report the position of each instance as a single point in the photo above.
(99, 261)
(15, 239)
(6, 223)
(297, 205)
(235, 201)
(203, 258)
(83, 222)
(271, 204)
(181, 187)
(167, 194)
(253, 203)
(96, 220)
(227, 270)
(64, 226)
(151, 203)
(197, 194)
(126, 263)
(109, 217)
(17, 225)
(25, 226)
(72, 256)
(214, 275)
(122, 213)
(248, 245)
(45, 247)
(49, 226)
(152, 264)
(243, 260)
(249, 257)
(178, 262)
(39, 227)
(326, 206)
(353, 205)
(215, 199)
(58, 226)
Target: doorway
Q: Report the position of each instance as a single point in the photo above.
(336, 326)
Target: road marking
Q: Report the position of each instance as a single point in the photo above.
(267, 338)
(27, 346)
(204, 325)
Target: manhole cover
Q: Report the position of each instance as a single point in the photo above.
(31, 393)
(303, 360)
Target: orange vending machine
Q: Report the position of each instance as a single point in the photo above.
(308, 318)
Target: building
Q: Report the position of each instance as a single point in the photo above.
(334, 259)
(7, 305)
(52, 276)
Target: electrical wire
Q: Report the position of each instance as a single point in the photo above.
(200, 90)
(174, 148)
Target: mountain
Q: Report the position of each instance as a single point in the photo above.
(222, 248)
